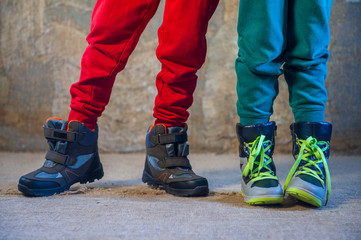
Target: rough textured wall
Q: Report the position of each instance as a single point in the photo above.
(42, 41)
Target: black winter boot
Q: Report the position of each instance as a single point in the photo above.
(309, 179)
(73, 157)
(259, 184)
(167, 165)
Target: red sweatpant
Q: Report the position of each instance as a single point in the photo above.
(115, 30)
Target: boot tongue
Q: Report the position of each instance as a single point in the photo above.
(250, 132)
(177, 149)
(319, 130)
(176, 129)
(57, 124)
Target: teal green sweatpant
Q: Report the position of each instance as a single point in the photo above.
(282, 36)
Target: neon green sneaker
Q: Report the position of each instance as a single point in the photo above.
(259, 184)
(309, 179)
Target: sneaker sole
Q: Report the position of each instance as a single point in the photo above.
(266, 200)
(96, 174)
(304, 196)
(198, 191)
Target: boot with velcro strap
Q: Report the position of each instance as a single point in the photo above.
(167, 166)
(73, 157)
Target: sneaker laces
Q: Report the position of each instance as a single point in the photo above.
(312, 154)
(258, 160)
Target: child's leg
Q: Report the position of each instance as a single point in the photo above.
(306, 58)
(261, 40)
(261, 30)
(182, 51)
(73, 151)
(305, 71)
(115, 30)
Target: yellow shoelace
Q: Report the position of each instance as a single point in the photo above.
(309, 148)
(258, 160)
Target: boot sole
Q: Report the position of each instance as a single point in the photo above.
(198, 191)
(91, 177)
(304, 196)
(265, 200)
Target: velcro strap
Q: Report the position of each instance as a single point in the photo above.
(174, 162)
(59, 158)
(179, 137)
(61, 135)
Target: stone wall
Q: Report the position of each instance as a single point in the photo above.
(42, 41)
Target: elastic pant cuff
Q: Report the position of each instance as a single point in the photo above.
(252, 120)
(307, 115)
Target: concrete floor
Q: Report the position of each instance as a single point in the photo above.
(120, 206)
